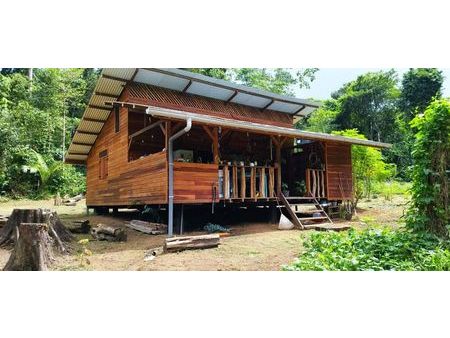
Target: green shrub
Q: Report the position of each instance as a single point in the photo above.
(68, 181)
(373, 249)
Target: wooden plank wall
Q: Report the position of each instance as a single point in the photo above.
(194, 182)
(339, 171)
(143, 181)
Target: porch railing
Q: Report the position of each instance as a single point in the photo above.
(248, 182)
(315, 183)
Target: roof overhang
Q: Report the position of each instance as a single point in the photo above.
(258, 127)
(112, 81)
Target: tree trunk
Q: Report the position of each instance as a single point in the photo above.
(56, 228)
(33, 249)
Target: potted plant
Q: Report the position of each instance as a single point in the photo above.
(285, 189)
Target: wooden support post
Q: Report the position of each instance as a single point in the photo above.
(235, 181)
(262, 182)
(216, 156)
(243, 186)
(226, 182)
(168, 134)
(271, 182)
(253, 182)
(278, 161)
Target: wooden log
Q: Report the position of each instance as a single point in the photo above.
(104, 232)
(174, 244)
(81, 227)
(147, 227)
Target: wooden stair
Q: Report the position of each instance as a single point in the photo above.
(302, 214)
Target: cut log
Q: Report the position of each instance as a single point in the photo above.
(60, 233)
(80, 227)
(69, 204)
(33, 248)
(104, 232)
(147, 227)
(57, 200)
(174, 244)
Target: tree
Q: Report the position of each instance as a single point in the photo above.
(322, 120)
(218, 73)
(369, 104)
(429, 208)
(419, 87)
(37, 165)
(367, 165)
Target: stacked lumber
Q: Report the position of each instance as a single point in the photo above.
(108, 233)
(147, 227)
(174, 244)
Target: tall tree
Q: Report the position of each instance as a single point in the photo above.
(369, 104)
(419, 87)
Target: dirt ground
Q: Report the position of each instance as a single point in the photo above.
(251, 247)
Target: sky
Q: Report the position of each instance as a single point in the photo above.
(329, 80)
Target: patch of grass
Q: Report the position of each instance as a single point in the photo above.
(373, 249)
(389, 189)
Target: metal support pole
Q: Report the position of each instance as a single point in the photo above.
(181, 219)
(171, 140)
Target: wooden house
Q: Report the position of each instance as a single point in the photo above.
(159, 137)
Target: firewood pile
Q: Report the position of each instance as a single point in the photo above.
(108, 233)
(147, 227)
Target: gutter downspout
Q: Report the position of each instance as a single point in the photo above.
(170, 150)
(171, 139)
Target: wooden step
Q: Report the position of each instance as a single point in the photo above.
(312, 218)
(299, 198)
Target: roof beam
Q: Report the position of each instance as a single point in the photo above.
(232, 96)
(298, 111)
(89, 119)
(267, 105)
(187, 86)
(93, 106)
(72, 161)
(86, 132)
(82, 144)
(109, 77)
(75, 153)
(105, 94)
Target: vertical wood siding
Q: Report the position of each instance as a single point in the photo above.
(143, 181)
(339, 171)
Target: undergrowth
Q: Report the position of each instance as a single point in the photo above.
(373, 249)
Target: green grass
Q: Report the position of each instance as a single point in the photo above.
(373, 249)
(389, 189)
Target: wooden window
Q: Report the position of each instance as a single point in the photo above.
(116, 119)
(103, 165)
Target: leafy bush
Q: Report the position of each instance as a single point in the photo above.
(68, 181)
(373, 249)
(430, 209)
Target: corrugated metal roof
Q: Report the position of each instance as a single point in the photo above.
(113, 80)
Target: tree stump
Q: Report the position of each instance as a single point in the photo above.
(33, 249)
(57, 230)
(34, 232)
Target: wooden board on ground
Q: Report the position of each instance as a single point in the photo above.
(147, 227)
(327, 227)
(174, 244)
